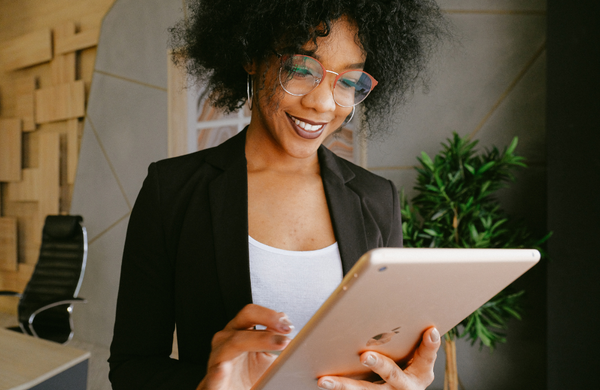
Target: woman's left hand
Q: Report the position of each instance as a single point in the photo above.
(416, 376)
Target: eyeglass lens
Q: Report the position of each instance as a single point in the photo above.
(300, 74)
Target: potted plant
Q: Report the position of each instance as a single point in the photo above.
(455, 208)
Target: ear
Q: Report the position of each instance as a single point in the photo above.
(250, 67)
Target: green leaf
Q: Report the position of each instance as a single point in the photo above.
(511, 148)
(426, 160)
(439, 214)
(431, 232)
(512, 312)
(469, 168)
(485, 167)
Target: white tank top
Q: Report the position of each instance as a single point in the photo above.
(293, 282)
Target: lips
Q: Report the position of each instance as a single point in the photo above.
(305, 128)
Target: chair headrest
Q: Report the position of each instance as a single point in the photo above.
(62, 226)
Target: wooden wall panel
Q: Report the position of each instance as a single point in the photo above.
(10, 149)
(27, 50)
(65, 101)
(25, 105)
(63, 65)
(14, 281)
(28, 189)
(82, 40)
(29, 230)
(49, 175)
(8, 244)
(73, 126)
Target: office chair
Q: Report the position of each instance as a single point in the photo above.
(45, 306)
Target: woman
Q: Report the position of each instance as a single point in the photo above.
(217, 237)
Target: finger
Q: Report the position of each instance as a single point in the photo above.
(228, 344)
(422, 363)
(340, 383)
(252, 315)
(387, 369)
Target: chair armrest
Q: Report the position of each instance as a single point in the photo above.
(67, 301)
(7, 293)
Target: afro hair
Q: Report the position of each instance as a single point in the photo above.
(220, 37)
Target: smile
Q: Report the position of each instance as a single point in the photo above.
(306, 126)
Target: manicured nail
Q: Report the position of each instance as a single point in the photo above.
(326, 385)
(280, 339)
(434, 336)
(370, 360)
(286, 324)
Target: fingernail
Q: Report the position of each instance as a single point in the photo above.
(326, 384)
(434, 336)
(280, 339)
(286, 324)
(370, 360)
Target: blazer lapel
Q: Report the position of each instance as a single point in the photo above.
(344, 207)
(228, 194)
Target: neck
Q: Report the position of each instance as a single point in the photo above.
(264, 153)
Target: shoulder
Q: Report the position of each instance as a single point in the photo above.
(199, 166)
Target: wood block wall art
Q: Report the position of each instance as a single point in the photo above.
(29, 230)
(10, 150)
(25, 107)
(79, 41)
(27, 50)
(14, 281)
(49, 180)
(64, 101)
(73, 126)
(42, 184)
(8, 244)
(28, 189)
(63, 66)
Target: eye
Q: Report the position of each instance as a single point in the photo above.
(299, 72)
(347, 83)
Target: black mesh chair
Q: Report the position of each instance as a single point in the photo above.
(46, 304)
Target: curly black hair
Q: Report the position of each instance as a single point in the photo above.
(221, 36)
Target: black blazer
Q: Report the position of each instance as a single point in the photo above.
(186, 256)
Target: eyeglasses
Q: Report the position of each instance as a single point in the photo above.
(300, 74)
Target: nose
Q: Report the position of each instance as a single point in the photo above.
(321, 98)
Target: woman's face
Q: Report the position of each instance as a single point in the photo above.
(317, 112)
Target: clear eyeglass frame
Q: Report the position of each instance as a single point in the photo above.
(284, 58)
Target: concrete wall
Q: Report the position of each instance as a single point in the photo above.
(125, 130)
(489, 83)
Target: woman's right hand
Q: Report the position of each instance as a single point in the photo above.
(240, 354)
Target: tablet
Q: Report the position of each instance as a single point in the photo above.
(384, 304)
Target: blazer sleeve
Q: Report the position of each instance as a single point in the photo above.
(145, 318)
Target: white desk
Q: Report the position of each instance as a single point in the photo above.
(30, 363)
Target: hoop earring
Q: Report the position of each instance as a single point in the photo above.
(249, 91)
(346, 121)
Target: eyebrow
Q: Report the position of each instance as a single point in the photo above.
(311, 53)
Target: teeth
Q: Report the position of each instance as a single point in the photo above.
(306, 126)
